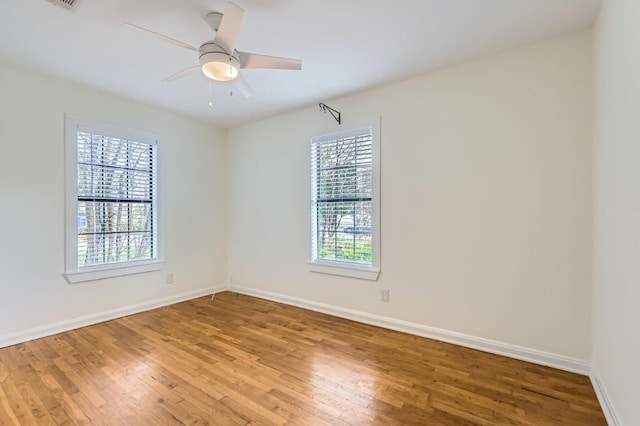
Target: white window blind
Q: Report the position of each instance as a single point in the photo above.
(342, 197)
(116, 200)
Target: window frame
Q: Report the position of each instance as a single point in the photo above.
(73, 273)
(344, 268)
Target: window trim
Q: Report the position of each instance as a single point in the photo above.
(73, 274)
(341, 268)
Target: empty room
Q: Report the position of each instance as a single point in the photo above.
(320, 212)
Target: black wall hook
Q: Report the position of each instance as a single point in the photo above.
(335, 114)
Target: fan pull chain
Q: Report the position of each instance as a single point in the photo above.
(210, 101)
(230, 77)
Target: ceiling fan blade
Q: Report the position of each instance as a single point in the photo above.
(227, 35)
(163, 37)
(180, 74)
(254, 60)
(243, 87)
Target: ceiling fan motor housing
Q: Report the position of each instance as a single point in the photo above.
(217, 64)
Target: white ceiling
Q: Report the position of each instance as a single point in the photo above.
(345, 45)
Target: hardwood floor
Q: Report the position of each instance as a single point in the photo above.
(242, 360)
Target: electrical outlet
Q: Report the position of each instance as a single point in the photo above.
(169, 278)
(384, 294)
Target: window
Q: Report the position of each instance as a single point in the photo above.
(111, 201)
(344, 204)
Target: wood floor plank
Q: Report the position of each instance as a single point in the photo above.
(7, 414)
(18, 405)
(238, 360)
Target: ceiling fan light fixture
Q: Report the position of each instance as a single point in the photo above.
(220, 71)
(216, 64)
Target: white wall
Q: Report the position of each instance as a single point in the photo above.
(192, 175)
(616, 293)
(486, 199)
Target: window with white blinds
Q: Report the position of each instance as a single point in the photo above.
(111, 201)
(343, 169)
(116, 197)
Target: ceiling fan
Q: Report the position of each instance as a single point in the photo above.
(219, 59)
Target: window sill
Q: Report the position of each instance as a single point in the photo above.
(345, 270)
(115, 270)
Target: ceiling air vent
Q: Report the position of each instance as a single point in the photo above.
(67, 4)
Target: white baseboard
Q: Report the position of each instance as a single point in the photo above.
(66, 325)
(603, 398)
(513, 351)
